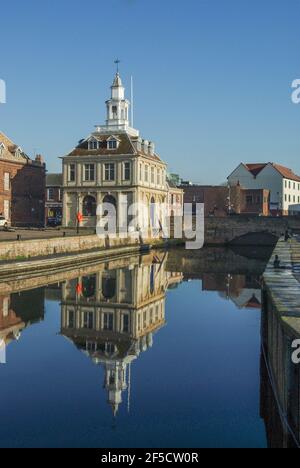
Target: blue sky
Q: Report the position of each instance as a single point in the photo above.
(212, 77)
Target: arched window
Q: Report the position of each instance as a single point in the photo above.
(89, 286)
(89, 206)
(153, 213)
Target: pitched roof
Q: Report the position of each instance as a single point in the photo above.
(287, 173)
(255, 169)
(126, 146)
(10, 150)
(54, 180)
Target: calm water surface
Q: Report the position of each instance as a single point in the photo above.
(158, 351)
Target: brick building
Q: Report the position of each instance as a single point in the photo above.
(22, 185)
(220, 201)
(53, 204)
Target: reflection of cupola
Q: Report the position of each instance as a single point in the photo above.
(115, 383)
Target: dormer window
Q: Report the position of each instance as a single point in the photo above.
(18, 152)
(112, 143)
(94, 144)
(2, 148)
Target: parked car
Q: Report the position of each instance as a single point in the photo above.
(4, 224)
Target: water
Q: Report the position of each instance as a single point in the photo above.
(157, 351)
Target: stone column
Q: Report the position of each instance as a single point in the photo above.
(79, 174)
(65, 209)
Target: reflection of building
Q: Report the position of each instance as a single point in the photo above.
(18, 311)
(243, 290)
(280, 379)
(112, 315)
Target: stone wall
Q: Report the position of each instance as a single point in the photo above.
(226, 230)
(46, 247)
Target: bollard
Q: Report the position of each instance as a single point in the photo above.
(64, 234)
(18, 237)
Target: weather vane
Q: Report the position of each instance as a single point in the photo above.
(117, 61)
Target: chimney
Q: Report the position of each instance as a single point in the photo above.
(145, 146)
(39, 159)
(151, 148)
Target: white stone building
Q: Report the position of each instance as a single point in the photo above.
(282, 182)
(113, 164)
(112, 315)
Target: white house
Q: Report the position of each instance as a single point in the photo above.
(282, 182)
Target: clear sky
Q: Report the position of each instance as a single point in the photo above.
(212, 77)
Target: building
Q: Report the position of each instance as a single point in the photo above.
(112, 165)
(22, 185)
(221, 201)
(53, 204)
(17, 312)
(112, 315)
(175, 198)
(283, 184)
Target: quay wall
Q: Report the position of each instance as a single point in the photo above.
(240, 230)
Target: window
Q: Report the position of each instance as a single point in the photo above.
(71, 319)
(50, 193)
(89, 172)
(112, 144)
(88, 320)
(6, 181)
(152, 175)
(72, 173)
(6, 209)
(127, 171)
(108, 321)
(141, 172)
(114, 112)
(158, 177)
(89, 286)
(125, 323)
(93, 145)
(109, 173)
(146, 173)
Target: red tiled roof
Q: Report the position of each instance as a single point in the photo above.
(255, 169)
(287, 173)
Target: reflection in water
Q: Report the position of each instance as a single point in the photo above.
(18, 311)
(111, 312)
(111, 316)
(280, 381)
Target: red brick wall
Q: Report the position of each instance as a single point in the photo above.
(26, 194)
(216, 199)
